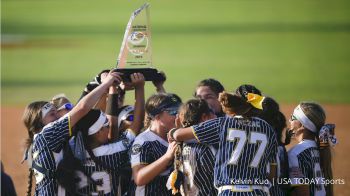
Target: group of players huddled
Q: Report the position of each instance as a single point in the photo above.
(218, 143)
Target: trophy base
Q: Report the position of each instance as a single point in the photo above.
(150, 74)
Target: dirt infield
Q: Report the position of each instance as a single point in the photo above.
(13, 134)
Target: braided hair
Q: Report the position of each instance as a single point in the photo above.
(32, 119)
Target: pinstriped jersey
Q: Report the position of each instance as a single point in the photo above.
(246, 145)
(198, 167)
(47, 152)
(304, 163)
(281, 171)
(113, 156)
(147, 148)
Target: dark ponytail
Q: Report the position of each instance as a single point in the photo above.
(272, 114)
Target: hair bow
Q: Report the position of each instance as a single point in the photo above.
(327, 135)
(255, 100)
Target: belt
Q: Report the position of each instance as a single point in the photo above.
(243, 188)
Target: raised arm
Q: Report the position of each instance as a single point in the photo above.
(111, 112)
(160, 84)
(181, 134)
(138, 81)
(88, 101)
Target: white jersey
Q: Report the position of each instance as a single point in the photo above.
(304, 167)
(147, 148)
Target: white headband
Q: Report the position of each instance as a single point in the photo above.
(124, 113)
(46, 109)
(98, 124)
(304, 120)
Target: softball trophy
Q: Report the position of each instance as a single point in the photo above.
(136, 50)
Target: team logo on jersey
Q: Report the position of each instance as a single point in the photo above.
(135, 149)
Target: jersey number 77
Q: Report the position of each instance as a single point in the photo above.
(241, 137)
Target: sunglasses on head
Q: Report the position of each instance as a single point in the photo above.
(67, 106)
(130, 117)
(293, 118)
(171, 112)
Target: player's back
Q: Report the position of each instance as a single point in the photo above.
(246, 146)
(111, 158)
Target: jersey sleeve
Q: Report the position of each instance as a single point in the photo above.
(295, 172)
(209, 131)
(54, 134)
(130, 135)
(114, 155)
(140, 154)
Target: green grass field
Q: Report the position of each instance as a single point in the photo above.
(292, 50)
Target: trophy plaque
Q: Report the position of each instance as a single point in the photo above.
(136, 50)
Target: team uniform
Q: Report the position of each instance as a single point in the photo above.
(304, 167)
(246, 145)
(282, 171)
(114, 156)
(198, 167)
(47, 152)
(147, 148)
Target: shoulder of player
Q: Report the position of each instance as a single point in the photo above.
(142, 137)
(60, 123)
(301, 147)
(214, 121)
(262, 121)
(147, 137)
(114, 148)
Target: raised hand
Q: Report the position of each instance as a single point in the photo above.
(137, 80)
(112, 77)
(170, 153)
